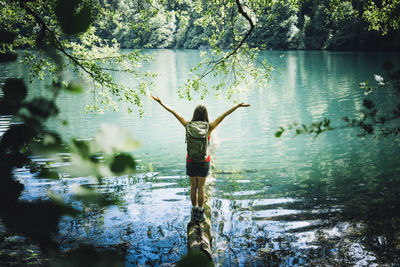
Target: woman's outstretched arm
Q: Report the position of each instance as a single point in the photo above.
(215, 123)
(179, 117)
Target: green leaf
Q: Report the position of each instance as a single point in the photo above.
(42, 107)
(48, 173)
(49, 48)
(279, 132)
(47, 145)
(122, 163)
(112, 138)
(17, 135)
(74, 17)
(75, 88)
(83, 19)
(82, 147)
(14, 90)
(326, 122)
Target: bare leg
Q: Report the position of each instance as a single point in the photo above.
(201, 182)
(193, 190)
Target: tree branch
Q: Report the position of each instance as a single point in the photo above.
(234, 51)
(244, 14)
(59, 45)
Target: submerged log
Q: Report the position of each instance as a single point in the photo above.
(199, 233)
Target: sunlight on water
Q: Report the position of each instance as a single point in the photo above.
(292, 200)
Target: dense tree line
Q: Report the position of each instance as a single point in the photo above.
(309, 24)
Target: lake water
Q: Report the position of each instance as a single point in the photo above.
(330, 200)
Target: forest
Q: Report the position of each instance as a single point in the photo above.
(309, 24)
(84, 47)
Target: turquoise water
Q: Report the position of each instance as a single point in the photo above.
(292, 201)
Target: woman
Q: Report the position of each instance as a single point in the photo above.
(198, 171)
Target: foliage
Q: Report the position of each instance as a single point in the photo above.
(46, 26)
(233, 30)
(276, 27)
(343, 30)
(28, 135)
(346, 28)
(238, 67)
(234, 73)
(315, 128)
(371, 120)
(308, 24)
(383, 15)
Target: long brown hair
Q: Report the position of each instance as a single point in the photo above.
(200, 114)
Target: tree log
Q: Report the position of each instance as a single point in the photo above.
(199, 233)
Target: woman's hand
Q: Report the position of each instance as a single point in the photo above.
(157, 99)
(243, 105)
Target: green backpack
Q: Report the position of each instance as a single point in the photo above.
(197, 140)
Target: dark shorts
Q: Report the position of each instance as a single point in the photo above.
(201, 169)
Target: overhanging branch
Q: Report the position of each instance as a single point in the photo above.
(246, 16)
(58, 43)
(236, 49)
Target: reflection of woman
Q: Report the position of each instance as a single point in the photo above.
(198, 171)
